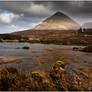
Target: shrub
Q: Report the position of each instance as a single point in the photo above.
(36, 76)
(9, 70)
(25, 47)
(58, 64)
(7, 78)
(11, 79)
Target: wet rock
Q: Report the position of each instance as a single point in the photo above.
(25, 47)
(75, 48)
(50, 49)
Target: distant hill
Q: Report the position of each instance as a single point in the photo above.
(57, 23)
(87, 27)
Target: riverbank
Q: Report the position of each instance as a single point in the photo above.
(59, 39)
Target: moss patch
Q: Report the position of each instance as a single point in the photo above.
(58, 64)
(36, 76)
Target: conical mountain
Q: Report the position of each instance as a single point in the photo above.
(58, 21)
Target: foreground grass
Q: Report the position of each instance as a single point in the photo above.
(59, 78)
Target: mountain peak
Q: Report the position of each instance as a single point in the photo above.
(57, 23)
(58, 13)
(58, 16)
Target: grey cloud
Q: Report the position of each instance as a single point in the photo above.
(33, 9)
(44, 9)
(36, 11)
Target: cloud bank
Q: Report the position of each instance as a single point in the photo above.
(20, 15)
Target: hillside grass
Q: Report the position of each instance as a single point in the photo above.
(51, 38)
(68, 39)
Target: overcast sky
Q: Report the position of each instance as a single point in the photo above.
(16, 16)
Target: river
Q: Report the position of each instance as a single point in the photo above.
(40, 57)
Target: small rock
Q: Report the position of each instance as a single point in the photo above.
(50, 49)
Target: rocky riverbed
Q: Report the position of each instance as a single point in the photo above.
(41, 56)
